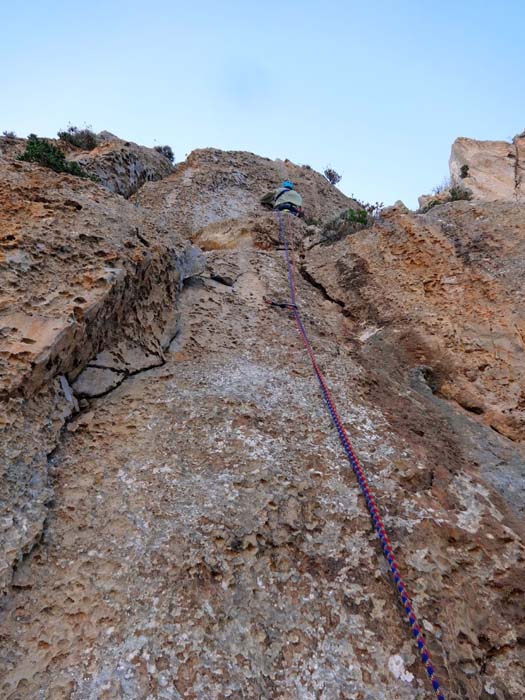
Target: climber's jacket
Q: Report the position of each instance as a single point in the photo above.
(282, 196)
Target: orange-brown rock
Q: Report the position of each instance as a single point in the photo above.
(82, 271)
(205, 537)
(494, 169)
(214, 186)
(122, 166)
(445, 289)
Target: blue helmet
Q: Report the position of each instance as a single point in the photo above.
(288, 185)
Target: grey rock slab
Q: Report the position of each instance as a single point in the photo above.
(96, 381)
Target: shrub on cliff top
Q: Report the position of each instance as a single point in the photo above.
(84, 138)
(453, 191)
(456, 189)
(373, 210)
(350, 221)
(50, 156)
(9, 134)
(332, 176)
(167, 152)
(430, 205)
(458, 192)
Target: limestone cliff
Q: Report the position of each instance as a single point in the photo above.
(492, 170)
(486, 171)
(178, 520)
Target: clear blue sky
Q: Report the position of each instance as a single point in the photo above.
(377, 89)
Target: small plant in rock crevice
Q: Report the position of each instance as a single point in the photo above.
(460, 192)
(454, 190)
(44, 153)
(430, 205)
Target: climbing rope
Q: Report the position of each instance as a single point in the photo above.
(356, 466)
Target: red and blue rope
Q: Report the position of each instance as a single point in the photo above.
(359, 472)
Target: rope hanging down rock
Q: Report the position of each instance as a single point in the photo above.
(358, 469)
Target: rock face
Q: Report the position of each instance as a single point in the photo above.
(122, 166)
(204, 536)
(496, 169)
(448, 287)
(428, 201)
(212, 187)
(83, 271)
(10, 147)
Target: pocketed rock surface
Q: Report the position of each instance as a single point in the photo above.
(205, 537)
(214, 186)
(122, 166)
(79, 276)
(447, 289)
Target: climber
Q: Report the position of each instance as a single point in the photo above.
(284, 198)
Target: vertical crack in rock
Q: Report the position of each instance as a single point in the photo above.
(312, 281)
(99, 296)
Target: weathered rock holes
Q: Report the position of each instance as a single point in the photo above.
(476, 410)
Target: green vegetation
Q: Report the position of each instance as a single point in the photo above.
(50, 156)
(464, 172)
(9, 134)
(429, 205)
(351, 221)
(458, 192)
(373, 210)
(455, 191)
(84, 138)
(354, 216)
(167, 152)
